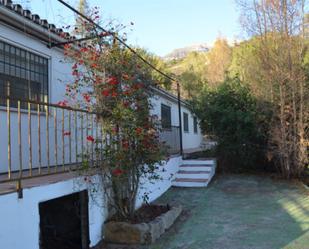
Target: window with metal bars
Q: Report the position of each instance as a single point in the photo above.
(185, 122)
(166, 119)
(23, 75)
(195, 124)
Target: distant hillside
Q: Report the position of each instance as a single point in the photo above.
(180, 53)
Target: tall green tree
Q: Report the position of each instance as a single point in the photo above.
(231, 113)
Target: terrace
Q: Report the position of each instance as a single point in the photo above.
(238, 212)
(45, 143)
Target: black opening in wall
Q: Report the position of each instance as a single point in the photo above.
(64, 222)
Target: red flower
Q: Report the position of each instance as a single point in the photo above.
(125, 77)
(63, 103)
(117, 172)
(83, 50)
(114, 94)
(138, 86)
(94, 65)
(126, 104)
(90, 139)
(105, 92)
(138, 130)
(127, 92)
(125, 144)
(113, 81)
(66, 46)
(86, 97)
(115, 129)
(74, 66)
(75, 73)
(67, 133)
(98, 79)
(104, 34)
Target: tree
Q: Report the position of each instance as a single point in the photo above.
(280, 48)
(157, 78)
(219, 60)
(191, 72)
(80, 24)
(231, 113)
(246, 65)
(109, 80)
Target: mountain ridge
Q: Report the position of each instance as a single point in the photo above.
(180, 53)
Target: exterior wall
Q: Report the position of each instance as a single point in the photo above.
(19, 226)
(59, 74)
(20, 218)
(58, 70)
(190, 139)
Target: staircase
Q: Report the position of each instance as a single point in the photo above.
(195, 173)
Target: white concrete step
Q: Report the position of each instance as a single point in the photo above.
(199, 161)
(196, 167)
(195, 173)
(187, 182)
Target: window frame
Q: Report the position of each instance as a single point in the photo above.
(186, 122)
(195, 125)
(25, 74)
(169, 119)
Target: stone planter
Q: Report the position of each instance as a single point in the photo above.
(143, 233)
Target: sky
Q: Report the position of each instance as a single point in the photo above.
(160, 26)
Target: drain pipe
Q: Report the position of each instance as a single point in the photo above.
(180, 120)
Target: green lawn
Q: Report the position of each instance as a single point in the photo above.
(239, 212)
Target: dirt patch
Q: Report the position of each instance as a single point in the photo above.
(145, 214)
(148, 213)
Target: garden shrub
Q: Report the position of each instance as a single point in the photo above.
(231, 114)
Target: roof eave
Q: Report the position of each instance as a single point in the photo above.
(21, 23)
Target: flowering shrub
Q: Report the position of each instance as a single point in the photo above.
(109, 81)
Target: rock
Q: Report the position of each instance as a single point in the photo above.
(122, 232)
(143, 233)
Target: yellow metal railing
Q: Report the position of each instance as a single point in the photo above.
(26, 124)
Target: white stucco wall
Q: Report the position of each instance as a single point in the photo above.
(19, 218)
(19, 226)
(59, 75)
(58, 70)
(190, 139)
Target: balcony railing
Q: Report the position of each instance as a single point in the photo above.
(43, 139)
(39, 139)
(171, 138)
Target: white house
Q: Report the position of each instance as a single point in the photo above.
(38, 187)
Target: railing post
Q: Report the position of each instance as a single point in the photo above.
(47, 138)
(30, 139)
(9, 138)
(63, 146)
(55, 139)
(39, 138)
(19, 141)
